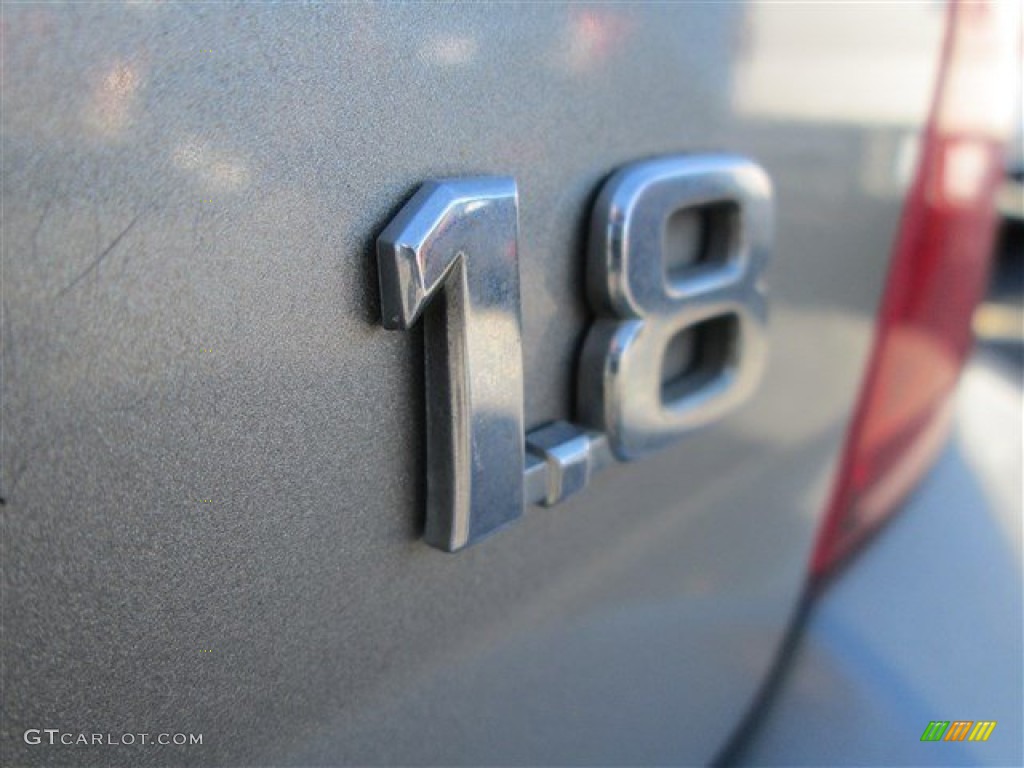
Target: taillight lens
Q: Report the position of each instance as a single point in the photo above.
(937, 275)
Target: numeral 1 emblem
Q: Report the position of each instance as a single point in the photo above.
(451, 254)
(677, 249)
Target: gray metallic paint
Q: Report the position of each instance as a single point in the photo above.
(190, 198)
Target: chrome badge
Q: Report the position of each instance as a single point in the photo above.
(450, 256)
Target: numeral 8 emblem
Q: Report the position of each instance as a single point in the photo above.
(675, 345)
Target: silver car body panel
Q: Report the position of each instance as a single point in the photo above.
(214, 455)
(902, 638)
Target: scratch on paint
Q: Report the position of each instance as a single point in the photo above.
(103, 254)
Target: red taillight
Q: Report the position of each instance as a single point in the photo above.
(938, 272)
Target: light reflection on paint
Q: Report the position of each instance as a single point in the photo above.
(593, 34)
(111, 106)
(216, 169)
(449, 50)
